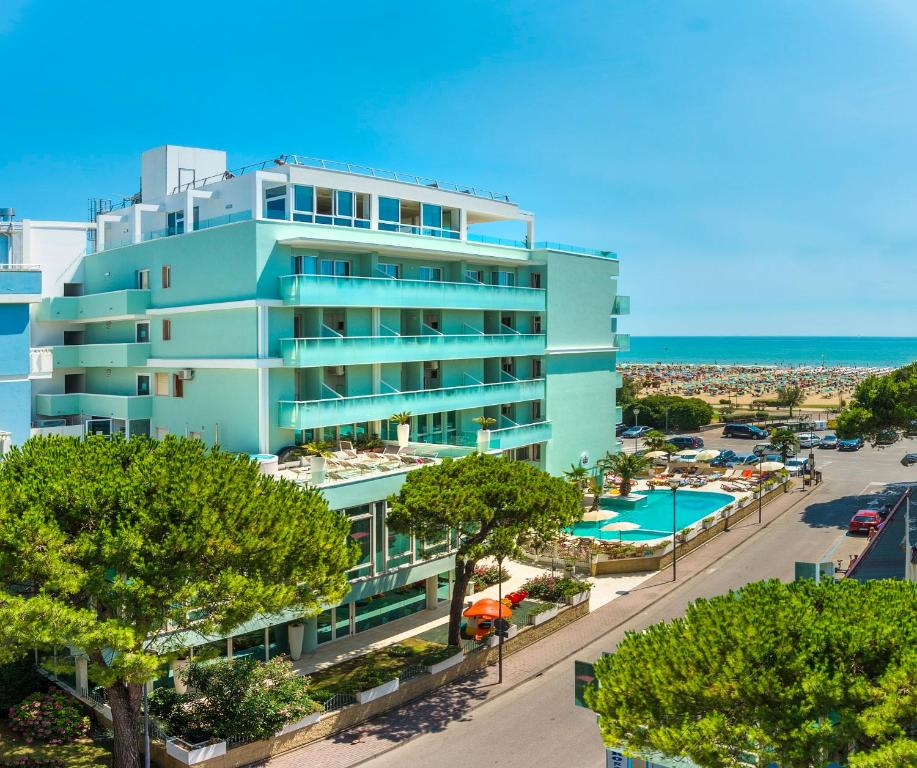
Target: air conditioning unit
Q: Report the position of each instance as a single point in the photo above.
(335, 370)
(186, 374)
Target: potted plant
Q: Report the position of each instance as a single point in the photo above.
(441, 659)
(317, 453)
(372, 683)
(576, 592)
(403, 420)
(542, 613)
(707, 522)
(485, 423)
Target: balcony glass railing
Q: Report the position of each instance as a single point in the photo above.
(519, 435)
(215, 221)
(546, 245)
(102, 406)
(621, 305)
(308, 414)
(330, 291)
(621, 341)
(474, 237)
(101, 355)
(96, 306)
(352, 350)
(16, 279)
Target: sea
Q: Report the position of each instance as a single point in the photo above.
(784, 351)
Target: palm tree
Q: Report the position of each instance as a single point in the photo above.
(656, 441)
(784, 440)
(596, 488)
(627, 466)
(577, 476)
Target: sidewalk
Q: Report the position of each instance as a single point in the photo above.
(455, 701)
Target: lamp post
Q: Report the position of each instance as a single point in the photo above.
(760, 487)
(812, 464)
(636, 416)
(673, 484)
(500, 621)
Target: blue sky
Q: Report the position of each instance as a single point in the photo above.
(751, 162)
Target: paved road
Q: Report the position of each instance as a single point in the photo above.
(536, 723)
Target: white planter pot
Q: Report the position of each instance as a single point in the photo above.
(191, 754)
(179, 667)
(317, 466)
(300, 724)
(483, 440)
(541, 618)
(441, 666)
(580, 597)
(493, 641)
(295, 633)
(364, 697)
(707, 523)
(404, 435)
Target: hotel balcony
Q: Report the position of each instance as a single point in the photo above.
(352, 350)
(126, 355)
(621, 305)
(330, 291)
(103, 406)
(20, 281)
(96, 306)
(621, 341)
(519, 435)
(308, 414)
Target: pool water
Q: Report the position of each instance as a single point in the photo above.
(654, 515)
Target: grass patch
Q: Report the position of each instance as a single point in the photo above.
(84, 753)
(381, 665)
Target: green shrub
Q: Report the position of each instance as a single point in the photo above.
(543, 608)
(31, 761)
(436, 655)
(554, 589)
(18, 679)
(49, 717)
(244, 698)
(488, 575)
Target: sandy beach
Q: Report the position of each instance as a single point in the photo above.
(743, 384)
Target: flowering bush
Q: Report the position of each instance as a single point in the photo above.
(554, 589)
(48, 717)
(488, 575)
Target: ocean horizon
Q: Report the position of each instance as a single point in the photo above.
(862, 351)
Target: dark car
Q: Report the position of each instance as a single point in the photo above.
(749, 431)
(636, 432)
(851, 444)
(887, 437)
(685, 442)
(909, 458)
(723, 459)
(864, 520)
(828, 441)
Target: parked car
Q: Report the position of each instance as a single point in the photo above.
(633, 432)
(743, 459)
(749, 431)
(864, 520)
(762, 449)
(808, 439)
(797, 466)
(723, 459)
(828, 441)
(684, 442)
(887, 437)
(851, 444)
(909, 458)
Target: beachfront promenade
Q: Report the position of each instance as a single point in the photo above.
(534, 709)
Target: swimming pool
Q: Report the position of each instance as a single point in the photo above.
(654, 515)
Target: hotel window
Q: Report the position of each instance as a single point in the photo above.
(351, 209)
(536, 410)
(536, 323)
(506, 279)
(166, 330)
(178, 386)
(334, 267)
(305, 264)
(389, 213)
(508, 322)
(438, 221)
(535, 452)
(324, 206)
(474, 276)
(142, 333)
(275, 203)
(166, 276)
(536, 368)
(303, 203)
(162, 384)
(143, 385)
(535, 280)
(361, 533)
(175, 223)
(431, 274)
(390, 270)
(143, 279)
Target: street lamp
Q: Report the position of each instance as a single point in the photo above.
(760, 486)
(673, 484)
(812, 465)
(500, 622)
(636, 437)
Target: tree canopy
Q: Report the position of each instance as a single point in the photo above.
(790, 397)
(684, 412)
(110, 541)
(784, 441)
(474, 498)
(803, 673)
(627, 466)
(881, 404)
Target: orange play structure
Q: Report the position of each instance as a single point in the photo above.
(481, 617)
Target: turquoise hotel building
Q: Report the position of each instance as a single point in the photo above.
(301, 300)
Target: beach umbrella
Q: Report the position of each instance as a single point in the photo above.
(687, 455)
(655, 454)
(622, 526)
(488, 609)
(770, 466)
(708, 454)
(595, 515)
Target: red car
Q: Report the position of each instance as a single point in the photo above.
(864, 520)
